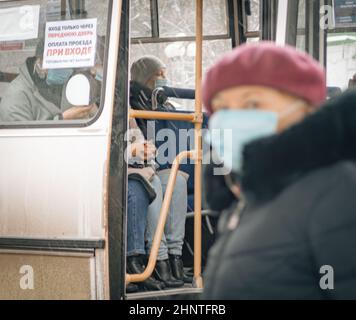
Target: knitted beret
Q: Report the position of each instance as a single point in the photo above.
(269, 65)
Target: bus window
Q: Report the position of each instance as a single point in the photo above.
(341, 46)
(253, 16)
(341, 61)
(171, 38)
(178, 18)
(55, 48)
(252, 39)
(252, 21)
(141, 19)
(301, 26)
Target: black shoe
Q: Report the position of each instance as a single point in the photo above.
(188, 276)
(177, 267)
(131, 288)
(163, 273)
(188, 279)
(136, 266)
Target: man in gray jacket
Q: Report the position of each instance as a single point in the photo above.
(37, 95)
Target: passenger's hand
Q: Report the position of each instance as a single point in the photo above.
(80, 112)
(143, 151)
(150, 151)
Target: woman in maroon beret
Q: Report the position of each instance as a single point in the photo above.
(289, 196)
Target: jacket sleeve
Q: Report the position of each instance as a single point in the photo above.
(16, 106)
(333, 234)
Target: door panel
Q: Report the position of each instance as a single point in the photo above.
(32, 276)
(53, 179)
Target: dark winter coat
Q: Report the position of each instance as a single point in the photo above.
(294, 233)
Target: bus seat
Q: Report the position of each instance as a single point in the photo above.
(188, 167)
(7, 77)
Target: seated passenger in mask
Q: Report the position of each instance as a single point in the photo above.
(38, 94)
(147, 74)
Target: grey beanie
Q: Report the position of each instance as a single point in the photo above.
(143, 69)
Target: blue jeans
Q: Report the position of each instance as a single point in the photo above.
(137, 207)
(174, 232)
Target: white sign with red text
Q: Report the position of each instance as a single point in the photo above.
(70, 44)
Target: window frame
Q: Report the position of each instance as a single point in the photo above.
(155, 38)
(236, 22)
(251, 33)
(269, 13)
(268, 10)
(55, 124)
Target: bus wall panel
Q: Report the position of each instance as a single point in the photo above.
(33, 276)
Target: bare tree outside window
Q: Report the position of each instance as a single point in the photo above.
(253, 20)
(140, 19)
(177, 18)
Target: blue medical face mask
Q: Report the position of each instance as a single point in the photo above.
(232, 130)
(160, 83)
(57, 77)
(99, 76)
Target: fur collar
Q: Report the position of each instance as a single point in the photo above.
(323, 139)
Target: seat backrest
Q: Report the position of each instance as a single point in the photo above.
(178, 144)
(334, 92)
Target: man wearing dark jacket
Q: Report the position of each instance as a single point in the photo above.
(292, 232)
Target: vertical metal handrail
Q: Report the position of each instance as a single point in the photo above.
(162, 220)
(198, 280)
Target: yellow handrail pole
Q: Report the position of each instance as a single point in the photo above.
(198, 280)
(153, 115)
(162, 221)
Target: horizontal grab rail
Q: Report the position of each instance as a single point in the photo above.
(174, 116)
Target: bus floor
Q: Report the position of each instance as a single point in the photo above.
(188, 292)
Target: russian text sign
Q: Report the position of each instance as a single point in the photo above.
(70, 44)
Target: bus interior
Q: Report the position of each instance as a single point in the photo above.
(64, 180)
